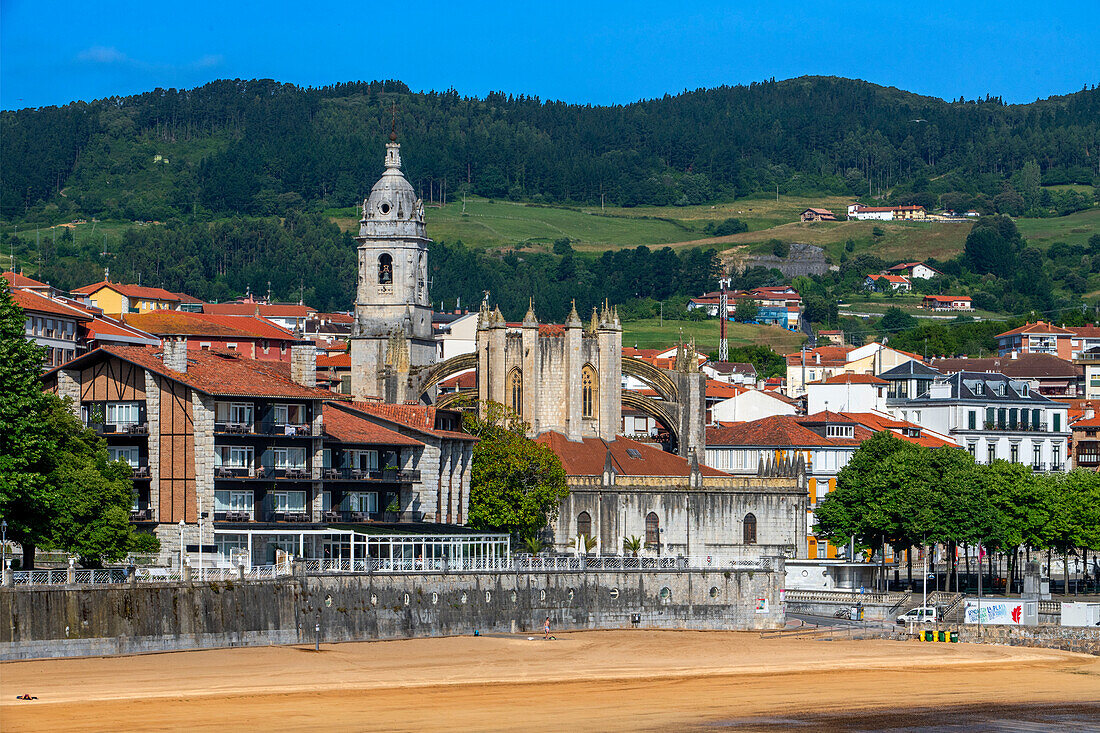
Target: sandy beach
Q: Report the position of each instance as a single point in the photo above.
(600, 680)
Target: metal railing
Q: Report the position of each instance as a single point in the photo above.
(115, 576)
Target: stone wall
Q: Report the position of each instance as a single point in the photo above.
(1069, 638)
(67, 621)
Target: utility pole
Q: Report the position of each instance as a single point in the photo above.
(723, 316)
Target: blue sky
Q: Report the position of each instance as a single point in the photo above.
(600, 53)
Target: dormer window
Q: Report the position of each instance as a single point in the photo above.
(840, 431)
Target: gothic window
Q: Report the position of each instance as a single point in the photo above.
(515, 391)
(385, 269)
(584, 524)
(750, 529)
(589, 392)
(652, 530)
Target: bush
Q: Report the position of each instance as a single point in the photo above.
(780, 248)
(878, 232)
(726, 228)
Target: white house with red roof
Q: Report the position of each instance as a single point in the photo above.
(847, 393)
(823, 442)
(913, 269)
(1037, 338)
(898, 283)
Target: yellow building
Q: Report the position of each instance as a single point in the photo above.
(117, 298)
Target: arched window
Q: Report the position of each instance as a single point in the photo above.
(584, 524)
(652, 530)
(590, 392)
(750, 529)
(515, 391)
(385, 269)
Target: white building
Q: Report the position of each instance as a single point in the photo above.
(752, 404)
(824, 442)
(847, 393)
(994, 418)
(457, 335)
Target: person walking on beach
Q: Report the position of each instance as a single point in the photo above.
(546, 629)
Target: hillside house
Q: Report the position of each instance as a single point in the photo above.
(947, 303)
(897, 283)
(913, 269)
(817, 215)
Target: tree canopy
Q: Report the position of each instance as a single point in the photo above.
(58, 487)
(516, 484)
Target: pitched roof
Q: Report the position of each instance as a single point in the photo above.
(730, 367)
(912, 369)
(852, 379)
(1023, 366)
(891, 278)
(420, 418)
(217, 373)
(465, 380)
(334, 361)
(818, 211)
(1039, 327)
(29, 300)
(830, 356)
(588, 456)
(947, 298)
(268, 310)
(792, 431)
(183, 323)
(18, 280)
(347, 427)
(722, 390)
(1091, 332)
(131, 291)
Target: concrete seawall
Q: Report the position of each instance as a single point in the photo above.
(136, 618)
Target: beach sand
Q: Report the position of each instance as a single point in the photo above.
(596, 680)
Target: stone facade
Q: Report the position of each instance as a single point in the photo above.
(566, 379)
(696, 515)
(392, 333)
(202, 412)
(152, 409)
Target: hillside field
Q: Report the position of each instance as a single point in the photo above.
(652, 333)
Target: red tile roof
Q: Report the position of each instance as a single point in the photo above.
(417, 417)
(852, 379)
(334, 361)
(31, 301)
(17, 280)
(1040, 327)
(131, 291)
(268, 310)
(1091, 332)
(183, 323)
(217, 373)
(722, 390)
(588, 456)
(465, 380)
(891, 278)
(830, 356)
(1087, 422)
(791, 431)
(346, 427)
(947, 298)
(1022, 367)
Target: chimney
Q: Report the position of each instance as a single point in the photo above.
(175, 354)
(1015, 354)
(303, 363)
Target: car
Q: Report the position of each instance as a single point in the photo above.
(922, 614)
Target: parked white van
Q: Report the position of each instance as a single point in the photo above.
(923, 614)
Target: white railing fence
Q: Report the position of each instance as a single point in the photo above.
(485, 564)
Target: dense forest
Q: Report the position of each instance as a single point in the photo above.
(261, 147)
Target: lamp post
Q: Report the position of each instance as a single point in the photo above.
(181, 547)
(3, 544)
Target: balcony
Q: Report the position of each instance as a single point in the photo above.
(141, 473)
(385, 476)
(265, 428)
(1015, 428)
(141, 515)
(262, 473)
(108, 429)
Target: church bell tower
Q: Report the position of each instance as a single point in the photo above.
(392, 332)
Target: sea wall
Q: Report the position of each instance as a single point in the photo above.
(1069, 638)
(63, 621)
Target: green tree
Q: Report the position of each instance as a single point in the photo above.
(895, 320)
(26, 442)
(58, 488)
(516, 484)
(746, 310)
(780, 248)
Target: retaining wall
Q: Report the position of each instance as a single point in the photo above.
(1069, 638)
(135, 618)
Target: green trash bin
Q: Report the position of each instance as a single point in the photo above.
(954, 637)
(927, 635)
(941, 636)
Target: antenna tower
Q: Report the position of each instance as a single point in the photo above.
(723, 316)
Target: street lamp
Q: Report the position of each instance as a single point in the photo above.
(4, 544)
(181, 525)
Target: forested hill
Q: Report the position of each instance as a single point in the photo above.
(261, 147)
